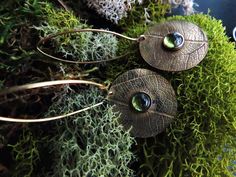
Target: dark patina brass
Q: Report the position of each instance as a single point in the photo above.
(152, 119)
(183, 57)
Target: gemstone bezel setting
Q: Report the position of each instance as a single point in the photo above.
(173, 41)
(140, 98)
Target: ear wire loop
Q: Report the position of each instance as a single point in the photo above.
(234, 33)
(47, 38)
(46, 84)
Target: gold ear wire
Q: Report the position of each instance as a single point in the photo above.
(19, 120)
(49, 83)
(47, 38)
(46, 84)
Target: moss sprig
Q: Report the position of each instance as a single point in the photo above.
(25, 154)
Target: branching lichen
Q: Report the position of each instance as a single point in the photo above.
(113, 10)
(92, 143)
(187, 5)
(84, 46)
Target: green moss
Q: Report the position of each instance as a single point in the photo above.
(91, 143)
(136, 16)
(201, 141)
(25, 154)
(16, 20)
(84, 46)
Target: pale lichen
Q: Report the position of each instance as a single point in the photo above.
(113, 10)
(84, 46)
(187, 5)
(92, 143)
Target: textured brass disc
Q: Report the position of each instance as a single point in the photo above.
(146, 101)
(190, 50)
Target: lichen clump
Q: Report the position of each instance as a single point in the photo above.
(188, 6)
(113, 10)
(83, 46)
(92, 143)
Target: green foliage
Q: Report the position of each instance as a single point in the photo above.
(84, 46)
(155, 10)
(17, 37)
(25, 154)
(91, 143)
(201, 141)
(33, 8)
(16, 19)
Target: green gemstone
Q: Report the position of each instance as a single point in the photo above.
(140, 102)
(173, 41)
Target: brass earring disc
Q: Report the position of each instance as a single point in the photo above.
(142, 88)
(190, 54)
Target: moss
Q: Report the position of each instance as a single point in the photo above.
(136, 16)
(17, 36)
(91, 143)
(84, 46)
(25, 154)
(201, 141)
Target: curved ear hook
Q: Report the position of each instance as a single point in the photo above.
(45, 84)
(47, 38)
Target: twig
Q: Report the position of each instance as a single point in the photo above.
(63, 5)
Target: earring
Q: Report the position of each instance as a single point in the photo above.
(146, 101)
(169, 46)
(174, 46)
